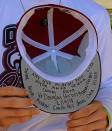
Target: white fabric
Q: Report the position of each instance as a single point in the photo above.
(11, 11)
(50, 27)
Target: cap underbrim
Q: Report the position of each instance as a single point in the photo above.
(65, 97)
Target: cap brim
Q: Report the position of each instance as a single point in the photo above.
(63, 97)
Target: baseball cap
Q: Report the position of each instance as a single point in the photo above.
(60, 64)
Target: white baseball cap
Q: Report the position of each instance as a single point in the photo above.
(60, 65)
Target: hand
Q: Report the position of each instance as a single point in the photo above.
(12, 101)
(90, 118)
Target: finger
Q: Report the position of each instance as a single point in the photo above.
(98, 125)
(98, 115)
(13, 102)
(100, 130)
(90, 127)
(18, 112)
(86, 111)
(80, 128)
(13, 91)
(6, 122)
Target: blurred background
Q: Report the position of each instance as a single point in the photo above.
(108, 5)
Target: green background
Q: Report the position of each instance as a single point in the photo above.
(110, 12)
(111, 22)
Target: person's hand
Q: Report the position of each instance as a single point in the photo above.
(90, 118)
(12, 103)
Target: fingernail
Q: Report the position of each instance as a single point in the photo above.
(32, 102)
(26, 92)
(36, 110)
(70, 117)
